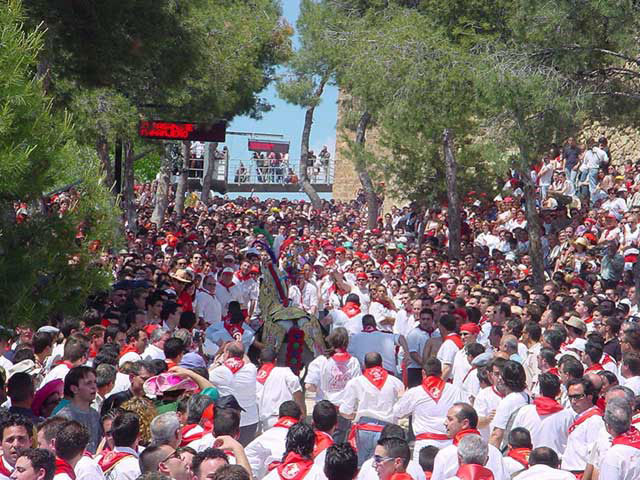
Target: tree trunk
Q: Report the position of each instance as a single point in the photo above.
(304, 148)
(208, 175)
(182, 178)
(162, 191)
(365, 179)
(129, 197)
(453, 210)
(102, 148)
(533, 226)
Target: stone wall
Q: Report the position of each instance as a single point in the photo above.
(624, 143)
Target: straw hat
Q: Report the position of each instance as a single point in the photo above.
(182, 275)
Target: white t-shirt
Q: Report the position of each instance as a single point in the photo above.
(128, 468)
(88, 469)
(486, 401)
(544, 472)
(315, 473)
(334, 376)
(208, 307)
(621, 462)
(365, 400)
(580, 441)
(279, 387)
(461, 367)
(241, 385)
(265, 449)
(446, 464)
(447, 352)
(506, 407)
(546, 430)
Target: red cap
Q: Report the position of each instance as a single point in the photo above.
(341, 250)
(471, 328)
(460, 312)
(150, 328)
(362, 275)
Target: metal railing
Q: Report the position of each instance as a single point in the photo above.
(248, 171)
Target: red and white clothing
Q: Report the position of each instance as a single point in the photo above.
(120, 463)
(516, 460)
(506, 407)
(223, 331)
(58, 372)
(381, 311)
(372, 340)
(622, 460)
(208, 307)
(445, 465)
(5, 469)
(196, 437)
(268, 447)
(582, 433)
(305, 298)
(296, 468)
(63, 470)
(228, 293)
(88, 469)
(428, 404)
(460, 368)
(332, 375)
(238, 378)
(544, 472)
(368, 472)
(471, 383)
(349, 317)
(372, 394)
(548, 423)
(633, 383)
(486, 401)
(451, 345)
(275, 386)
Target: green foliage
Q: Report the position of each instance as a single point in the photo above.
(146, 168)
(44, 267)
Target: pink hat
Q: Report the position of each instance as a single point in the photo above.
(45, 392)
(166, 382)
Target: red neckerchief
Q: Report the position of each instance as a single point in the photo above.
(323, 441)
(433, 386)
(520, 455)
(474, 472)
(92, 352)
(546, 405)
(496, 391)
(455, 338)
(294, 467)
(386, 304)
(369, 329)
(341, 355)
(588, 320)
(128, 348)
(234, 364)
(188, 438)
(554, 371)
(600, 403)
(3, 469)
(585, 415)
(65, 362)
(631, 438)
(241, 276)
(351, 309)
(62, 466)
(108, 461)
(427, 475)
(606, 358)
(596, 367)
(286, 422)
(401, 476)
(463, 433)
(264, 372)
(232, 328)
(377, 376)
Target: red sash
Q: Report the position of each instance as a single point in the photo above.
(110, 460)
(546, 405)
(377, 376)
(341, 355)
(630, 438)
(3, 469)
(474, 472)
(596, 367)
(401, 476)
(286, 422)
(264, 372)
(351, 309)
(232, 328)
(366, 427)
(433, 386)
(323, 441)
(520, 455)
(432, 436)
(585, 416)
(455, 338)
(128, 348)
(234, 364)
(188, 438)
(463, 433)
(62, 466)
(294, 467)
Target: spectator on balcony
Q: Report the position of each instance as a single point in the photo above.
(242, 174)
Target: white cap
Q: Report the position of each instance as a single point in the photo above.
(228, 270)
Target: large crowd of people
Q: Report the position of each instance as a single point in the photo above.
(430, 367)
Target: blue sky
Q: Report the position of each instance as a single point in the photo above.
(286, 119)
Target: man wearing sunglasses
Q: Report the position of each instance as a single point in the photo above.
(391, 458)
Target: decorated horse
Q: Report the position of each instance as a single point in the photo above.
(295, 334)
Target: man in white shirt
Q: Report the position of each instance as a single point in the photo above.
(544, 465)
(487, 400)
(122, 461)
(428, 404)
(76, 353)
(227, 290)
(468, 333)
(416, 340)
(451, 344)
(630, 371)
(297, 461)
(208, 307)
(275, 386)
(461, 421)
(237, 377)
(513, 383)
(370, 339)
(155, 349)
(368, 401)
(269, 447)
(349, 316)
(622, 460)
(547, 420)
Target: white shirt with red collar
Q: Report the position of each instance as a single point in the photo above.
(88, 469)
(5, 469)
(460, 368)
(127, 468)
(428, 404)
(548, 423)
(339, 318)
(268, 447)
(59, 372)
(622, 460)
(227, 294)
(208, 307)
(333, 374)
(372, 394)
(314, 473)
(275, 386)
(373, 340)
(582, 434)
(449, 348)
(446, 464)
(194, 436)
(238, 378)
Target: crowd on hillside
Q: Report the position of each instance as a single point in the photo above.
(434, 368)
